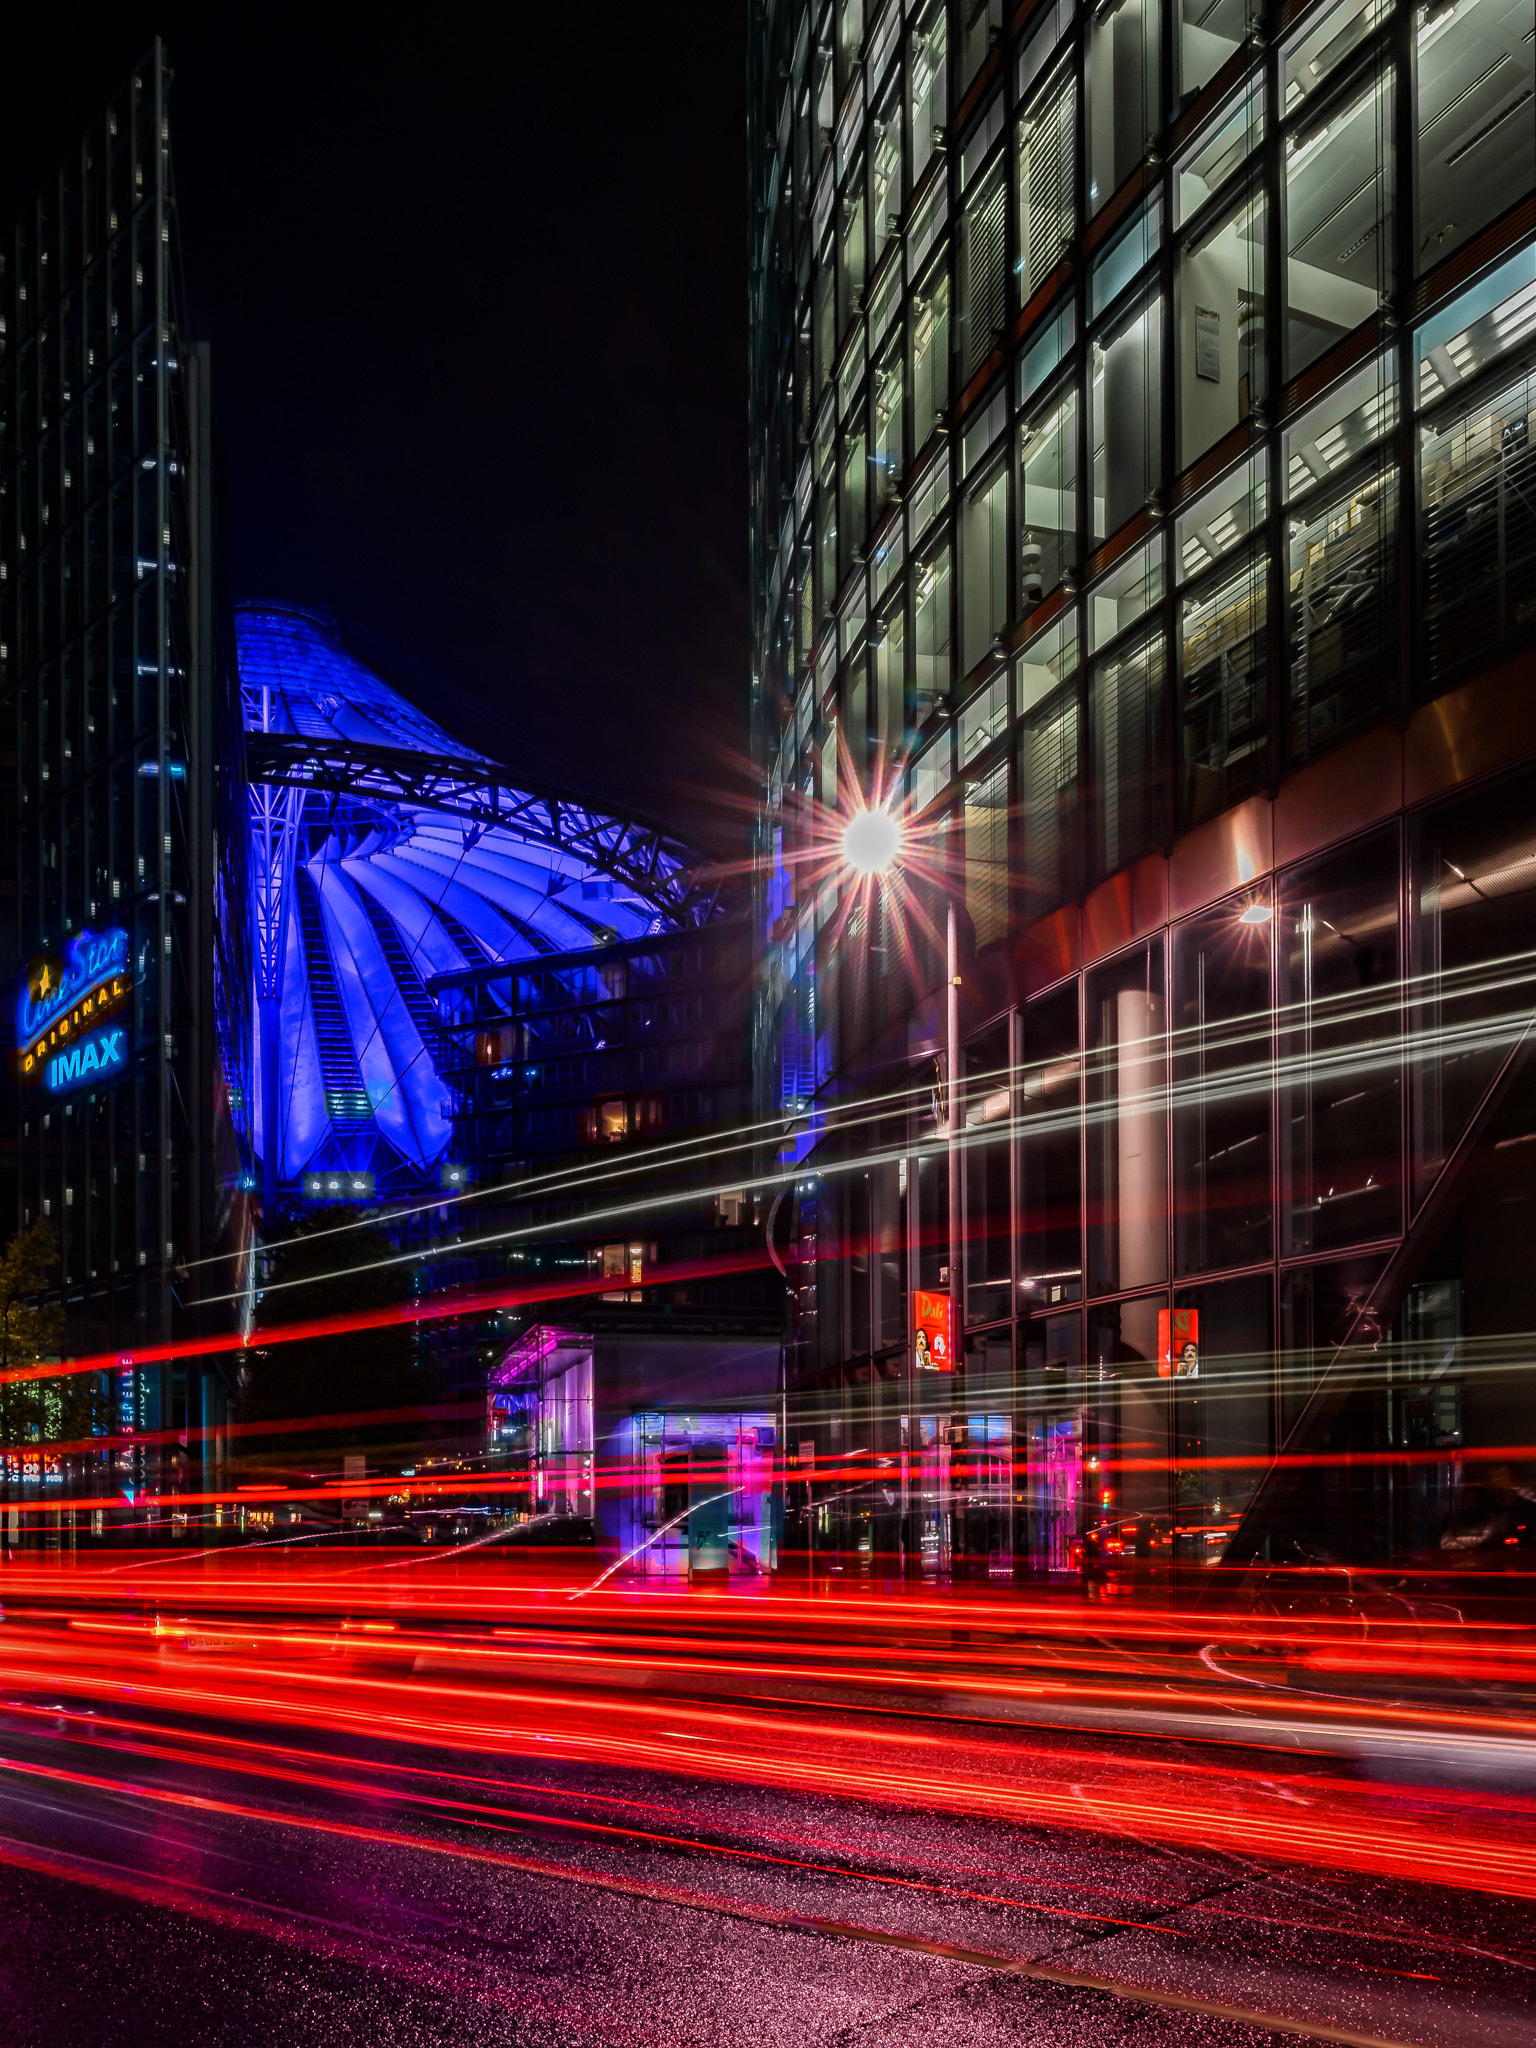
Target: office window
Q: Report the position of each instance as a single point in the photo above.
(1221, 327)
(1472, 904)
(986, 854)
(1343, 629)
(929, 82)
(886, 454)
(1216, 154)
(1338, 197)
(1223, 700)
(930, 639)
(1223, 518)
(1123, 112)
(1131, 588)
(1050, 1164)
(1336, 972)
(1222, 1077)
(1126, 712)
(1209, 32)
(1126, 424)
(855, 480)
(884, 175)
(1048, 794)
(1046, 174)
(1127, 1122)
(1477, 483)
(850, 256)
(1496, 316)
(1223, 1412)
(983, 276)
(1047, 497)
(983, 720)
(932, 771)
(1474, 120)
(826, 542)
(1319, 53)
(988, 1121)
(891, 692)
(983, 569)
(1125, 255)
(981, 27)
(930, 357)
(825, 326)
(1341, 426)
(850, 40)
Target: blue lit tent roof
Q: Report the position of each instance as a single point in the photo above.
(384, 852)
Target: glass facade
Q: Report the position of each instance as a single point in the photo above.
(113, 713)
(1193, 568)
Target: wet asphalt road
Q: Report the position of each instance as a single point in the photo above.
(150, 1895)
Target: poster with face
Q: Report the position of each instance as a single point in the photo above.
(933, 1340)
(1178, 1344)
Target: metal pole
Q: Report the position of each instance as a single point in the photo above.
(952, 1122)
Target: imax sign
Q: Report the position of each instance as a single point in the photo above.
(100, 1057)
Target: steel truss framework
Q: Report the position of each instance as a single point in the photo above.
(637, 855)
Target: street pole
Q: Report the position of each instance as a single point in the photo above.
(952, 1120)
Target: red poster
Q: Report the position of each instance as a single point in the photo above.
(1178, 1344)
(933, 1346)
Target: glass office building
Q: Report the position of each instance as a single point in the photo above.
(115, 1107)
(1144, 503)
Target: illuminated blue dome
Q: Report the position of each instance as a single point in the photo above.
(385, 852)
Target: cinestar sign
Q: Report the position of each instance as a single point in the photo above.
(96, 1058)
(63, 1005)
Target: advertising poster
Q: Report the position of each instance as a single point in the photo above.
(1178, 1344)
(933, 1342)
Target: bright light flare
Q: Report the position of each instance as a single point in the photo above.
(871, 842)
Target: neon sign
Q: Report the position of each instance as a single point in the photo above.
(63, 1003)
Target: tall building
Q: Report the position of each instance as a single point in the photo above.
(113, 732)
(1144, 507)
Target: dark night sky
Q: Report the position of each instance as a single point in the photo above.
(475, 285)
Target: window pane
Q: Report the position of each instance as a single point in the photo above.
(1337, 969)
(1472, 905)
(983, 273)
(891, 691)
(855, 477)
(1050, 1162)
(930, 359)
(1221, 1087)
(1048, 800)
(1223, 699)
(986, 855)
(884, 176)
(1122, 94)
(885, 393)
(1206, 167)
(1342, 625)
(1483, 324)
(1474, 122)
(1221, 328)
(931, 662)
(988, 1198)
(1131, 588)
(1127, 414)
(1338, 222)
(930, 98)
(1047, 201)
(984, 568)
(1125, 732)
(1125, 1446)
(1051, 1445)
(1223, 1413)
(1048, 498)
(1478, 493)
(931, 772)
(984, 719)
(1207, 37)
(1132, 247)
(1341, 426)
(1316, 55)
(1224, 517)
(1127, 1122)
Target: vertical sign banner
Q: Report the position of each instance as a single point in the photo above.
(1178, 1344)
(933, 1347)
